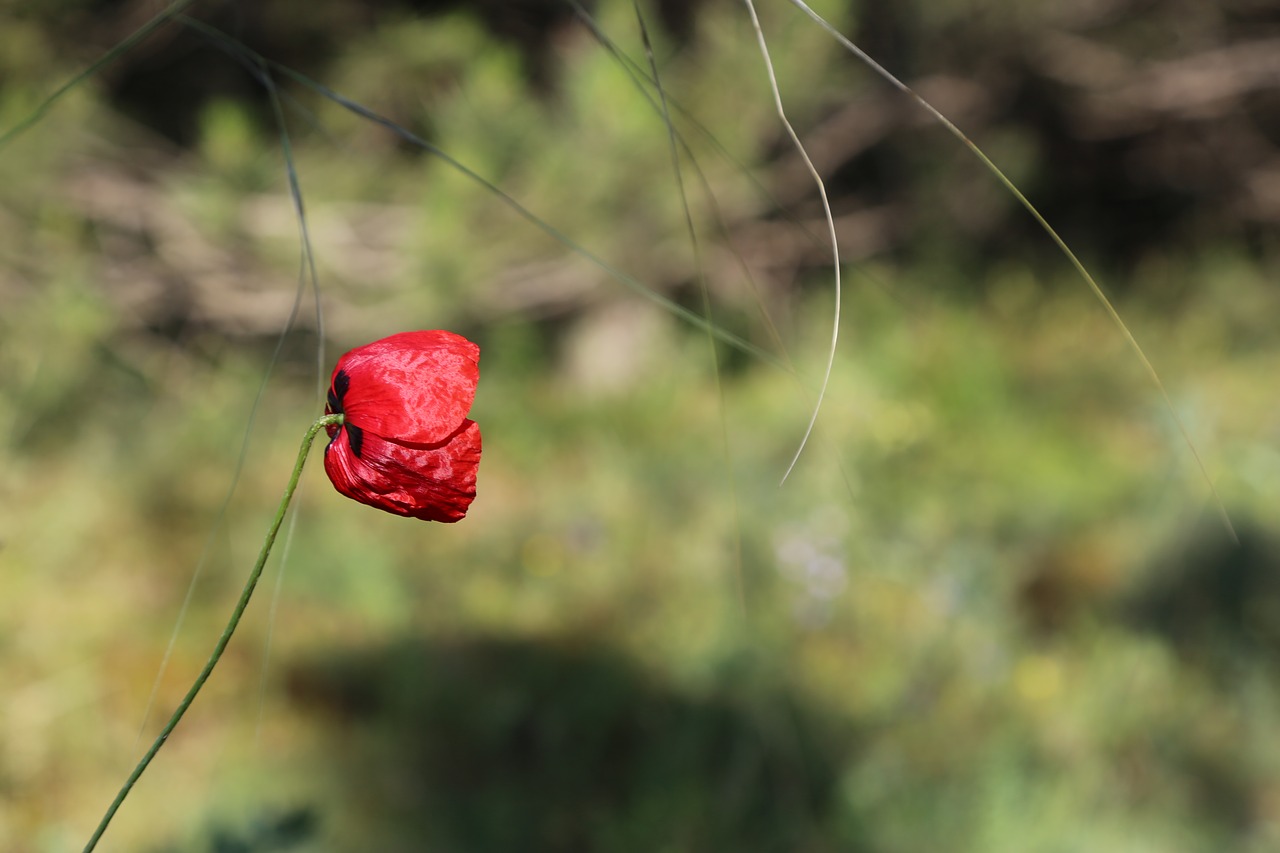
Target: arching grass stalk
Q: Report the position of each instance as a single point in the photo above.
(232, 624)
(1058, 241)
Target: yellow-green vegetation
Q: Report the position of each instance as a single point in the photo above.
(992, 609)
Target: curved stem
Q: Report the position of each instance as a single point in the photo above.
(232, 624)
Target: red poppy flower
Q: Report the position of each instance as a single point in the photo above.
(406, 445)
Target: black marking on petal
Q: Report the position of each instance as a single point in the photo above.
(341, 383)
(355, 437)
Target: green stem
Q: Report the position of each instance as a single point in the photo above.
(232, 624)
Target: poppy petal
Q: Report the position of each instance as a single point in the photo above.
(434, 482)
(416, 387)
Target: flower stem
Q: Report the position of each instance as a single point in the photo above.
(232, 624)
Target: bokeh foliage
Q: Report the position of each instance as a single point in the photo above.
(992, 609)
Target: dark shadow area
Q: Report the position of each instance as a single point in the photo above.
(165, 82)
(1125, 145)
(1217, 601)
(498, 745)
(271, 832)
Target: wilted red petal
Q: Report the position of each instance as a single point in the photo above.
(433, 482)
(413, 388)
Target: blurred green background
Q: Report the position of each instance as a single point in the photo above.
(994, 607)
